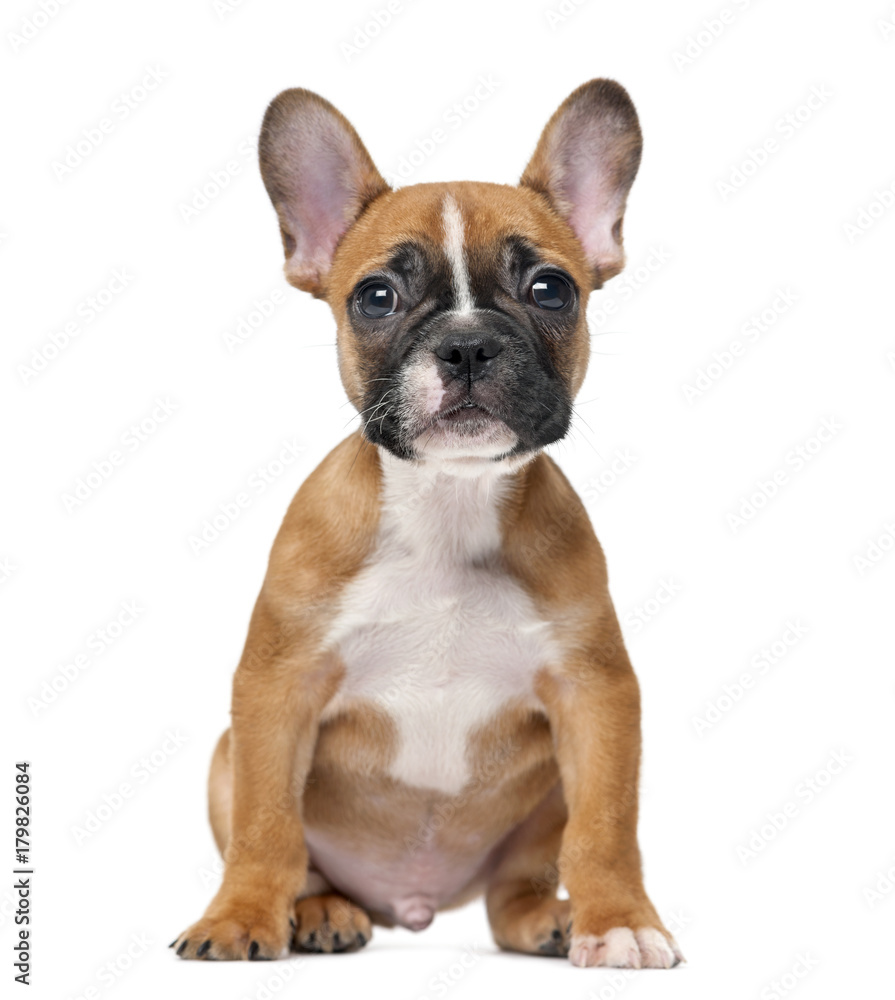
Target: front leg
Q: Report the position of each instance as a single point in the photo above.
(278, 696)
(593, 703)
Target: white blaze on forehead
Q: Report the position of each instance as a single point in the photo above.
(453, 247)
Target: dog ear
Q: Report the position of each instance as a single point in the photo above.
(585, 163)
(319, 177)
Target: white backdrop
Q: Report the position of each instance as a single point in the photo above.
(735, 450)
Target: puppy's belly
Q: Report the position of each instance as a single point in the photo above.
(404, 852)
(402, 887)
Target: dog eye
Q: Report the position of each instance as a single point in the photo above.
(551, 291)
(377, 299)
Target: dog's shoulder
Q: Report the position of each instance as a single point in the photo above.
(549, 541)
(330, 526)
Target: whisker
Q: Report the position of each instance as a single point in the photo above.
(373, 408)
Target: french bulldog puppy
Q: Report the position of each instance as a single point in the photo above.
(434, 701)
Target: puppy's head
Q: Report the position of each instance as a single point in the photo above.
(461, 306)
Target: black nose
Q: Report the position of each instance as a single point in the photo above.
(468, 356)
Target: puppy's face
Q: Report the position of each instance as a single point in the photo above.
(463, 331)
(460, 307)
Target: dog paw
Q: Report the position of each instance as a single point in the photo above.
(330, 924)
(240, 932)
(551, 928)
(534, 926)
(622, 948)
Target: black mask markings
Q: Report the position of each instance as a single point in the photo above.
(528, 387)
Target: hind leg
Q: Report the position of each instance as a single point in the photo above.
(324, 921)
(220, 792)
(328, 922)
(523, 910)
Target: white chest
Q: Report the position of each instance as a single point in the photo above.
(432, 631)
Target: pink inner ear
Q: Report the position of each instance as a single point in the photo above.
(588, 152)
(593, 217)
(324, 197)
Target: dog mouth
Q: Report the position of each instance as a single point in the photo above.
(466, 412)
(466, 428)
(466, 417)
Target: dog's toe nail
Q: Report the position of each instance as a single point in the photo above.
(292, 923)
(171, 945)
(203, 949)
(361, 939)
(182, 948)
(254, 948)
